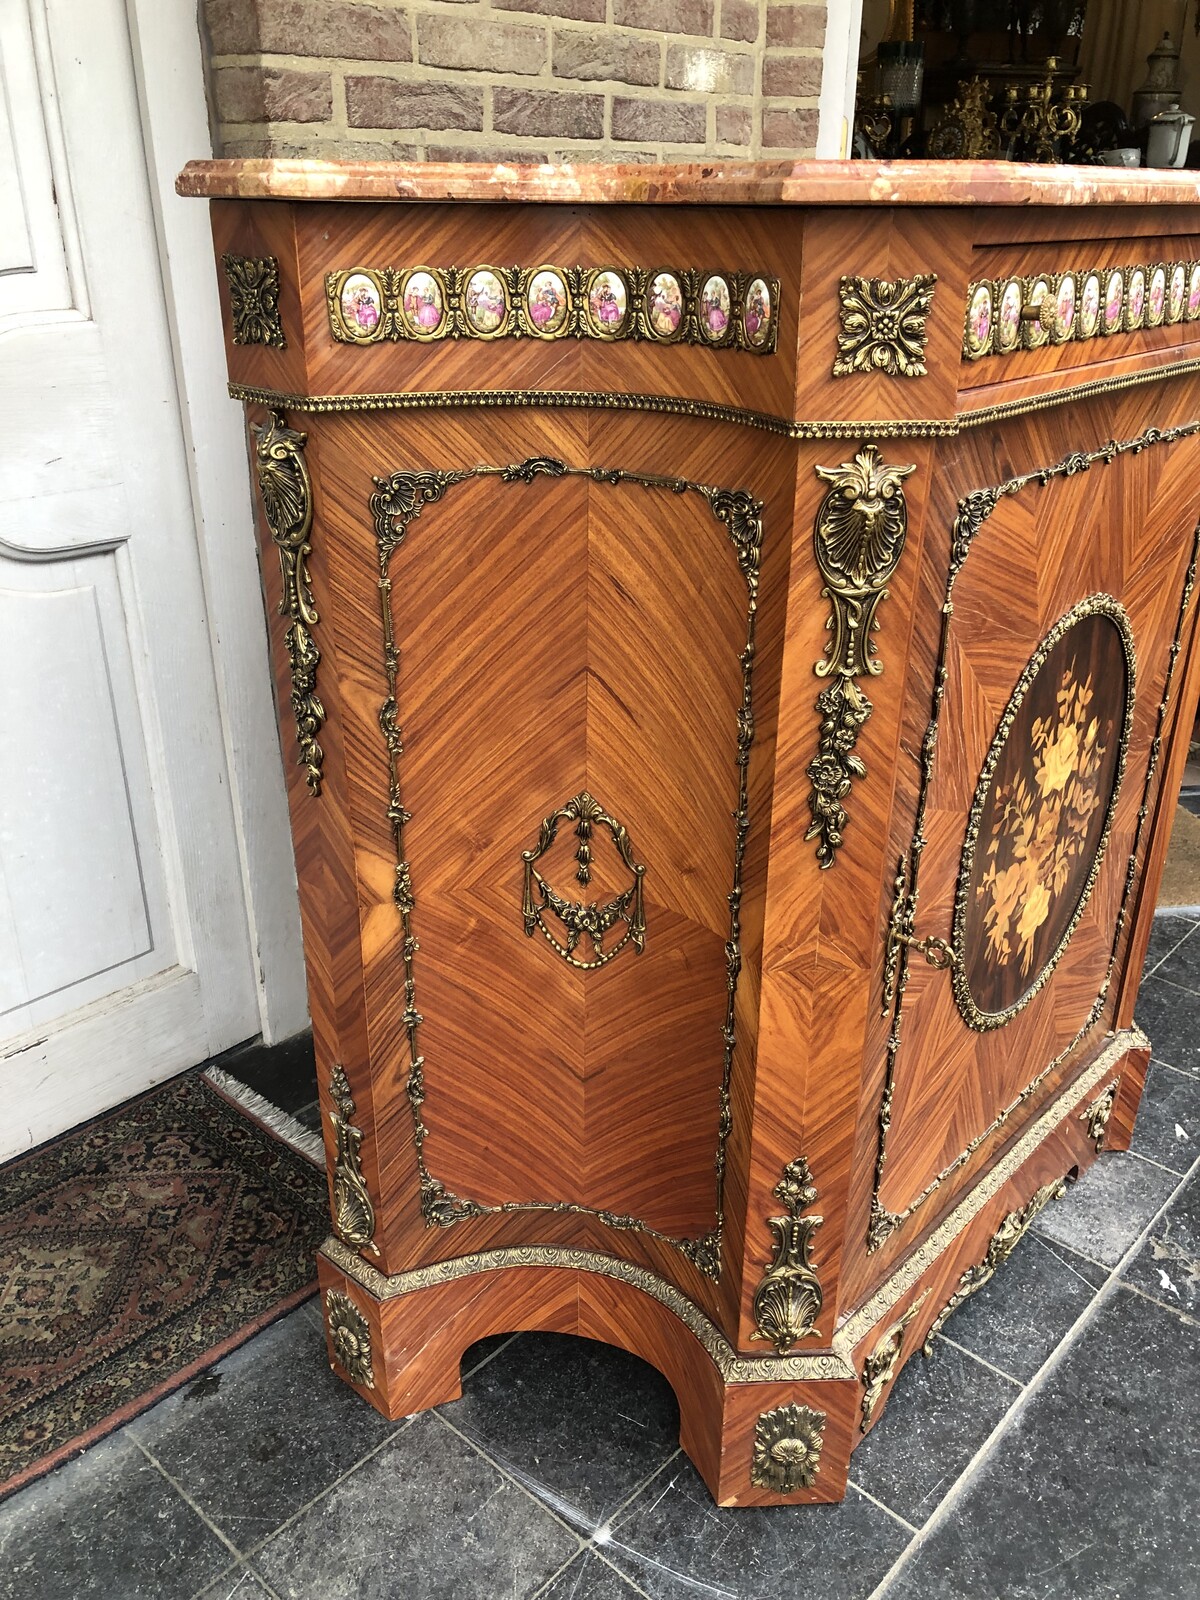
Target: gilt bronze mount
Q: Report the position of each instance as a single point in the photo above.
(584, 919)
(788, 1300)
(286, 490)
(787, 1448)
(884, 325)
(254, 299)
(858, 539)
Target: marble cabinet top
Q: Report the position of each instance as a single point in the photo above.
(718, 182)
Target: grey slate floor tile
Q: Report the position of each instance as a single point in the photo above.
(589, 1578)
(1167, 1129)
(426, 1517)
(108, 1525)
(1103, 1214)
(263, 1433)
(1171, 1017)
(938, 1414)
(580, 1424)
(676, 1545)
(1181, 965)
(1167, 1267)
(1167, 931)
(239, 1583)
(1015, 1321)
(1086, 1495)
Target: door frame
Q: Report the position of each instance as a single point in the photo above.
(171, 76)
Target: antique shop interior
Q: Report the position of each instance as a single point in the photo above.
(609, 1005)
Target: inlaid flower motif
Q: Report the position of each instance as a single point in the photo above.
(787, 1448)
(1041, 826)
(883, 325)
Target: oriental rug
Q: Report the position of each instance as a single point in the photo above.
(135, 1252)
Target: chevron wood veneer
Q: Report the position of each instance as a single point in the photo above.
(743, 790)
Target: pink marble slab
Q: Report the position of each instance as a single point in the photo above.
(809, 183)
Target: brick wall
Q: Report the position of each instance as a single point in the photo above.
(515, 80)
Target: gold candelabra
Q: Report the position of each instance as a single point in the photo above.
(1043, 126)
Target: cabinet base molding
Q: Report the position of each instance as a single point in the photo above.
(411, 1329)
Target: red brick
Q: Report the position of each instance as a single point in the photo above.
(791, 77)
(796, 25)
(702, 71)
(232, 27)
(740, 20)
(784, 129)
(381, 149)
(573, 10)
(657, 121)
(495, 154)
(480, 46)
(537, 114)
(735, 125)
(666, 16)
(379, 102)
(596, 56)
(272, 94)
(309, 28)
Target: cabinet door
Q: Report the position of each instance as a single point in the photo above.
(1064, 610)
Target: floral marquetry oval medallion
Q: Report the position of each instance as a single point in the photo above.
(1042, 812)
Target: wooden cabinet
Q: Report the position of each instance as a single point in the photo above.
(734, 640)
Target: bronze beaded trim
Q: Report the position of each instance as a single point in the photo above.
(710, 410)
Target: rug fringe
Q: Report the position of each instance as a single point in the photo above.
(281, 1123)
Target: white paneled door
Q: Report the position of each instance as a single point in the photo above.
(124, 951)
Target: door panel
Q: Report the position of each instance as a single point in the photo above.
(79, 857)
(1019, 873)
(33, 256)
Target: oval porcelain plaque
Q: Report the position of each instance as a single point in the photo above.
(1042, 812)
